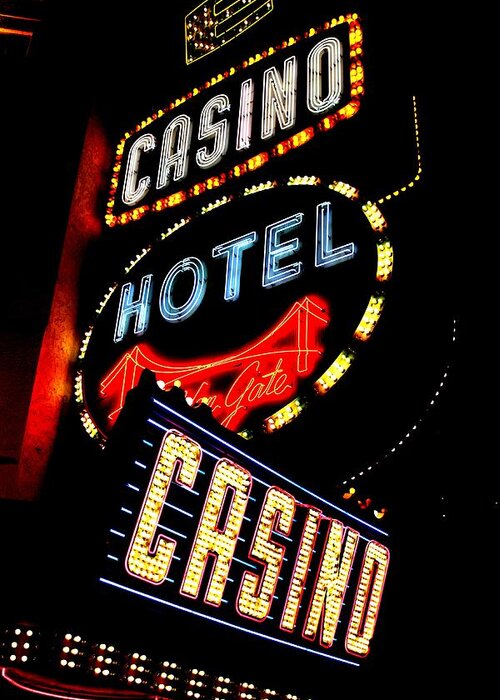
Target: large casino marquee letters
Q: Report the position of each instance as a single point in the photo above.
(204, 528)
(239, 121)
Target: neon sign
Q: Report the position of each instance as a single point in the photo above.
(301, 268)
(205, 529)
(211, 25)
(257, 375)
(201, 141)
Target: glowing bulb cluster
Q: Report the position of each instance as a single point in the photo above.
(104, 661)
(89, 425)
(285, 415)
(385, 260)
(138, 669)
(260, 187)
(22, 645)
(216, 204)
(370, 317)
(85, 343)
(294, 141)
(303, 180)
(167, 678)
(335, 372)
(245, 691)
(137, 259)
(344, 189)
(78, 387)
(105, 300)
(197, 684)
(96, 663)
(207, 28)
(175, 227)
(374, 216)
(73, 651)
(223, 688)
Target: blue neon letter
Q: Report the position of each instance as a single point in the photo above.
(325, 254)
(168, 309)
(139, 308)
(233, 250)
(274, 251)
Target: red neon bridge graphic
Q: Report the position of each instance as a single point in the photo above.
(264, 372)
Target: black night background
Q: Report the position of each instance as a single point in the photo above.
(422, 409)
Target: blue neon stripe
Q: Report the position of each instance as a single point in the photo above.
(174, 532)
(229, 624)
(245, 563)
(115, 532)
(261, 464)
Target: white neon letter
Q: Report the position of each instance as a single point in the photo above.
(245, 116)
(256, 592)
(218, 539)
(138, 308)
(367, 600)
(218, 131)
(133, 190)
(316, 102)
(233, 250)
(151, 563)
(325, 254)
(279, 98)
(168, 309)
(331, 584)
(174, 151)
(274, 251)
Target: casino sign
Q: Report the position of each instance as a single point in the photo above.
(260, 299)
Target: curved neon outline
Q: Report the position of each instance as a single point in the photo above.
(175, 314)
(397, 192)
(401, 442)
(378, 225)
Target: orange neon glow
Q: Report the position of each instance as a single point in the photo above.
(17, 32)
(261, 373)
